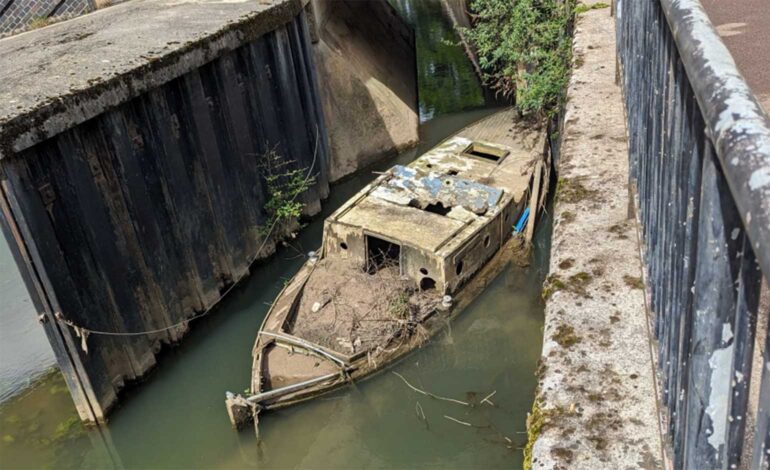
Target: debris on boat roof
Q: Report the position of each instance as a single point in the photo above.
(443, 197)
(412, 187)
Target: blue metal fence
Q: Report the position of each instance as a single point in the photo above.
(700, 161)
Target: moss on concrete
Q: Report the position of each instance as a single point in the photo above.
(633, 282)
(572, 191)
(551, 285)
(575, 284)
(565, 336)
(619, 230)
(537, 421)
(568, 216)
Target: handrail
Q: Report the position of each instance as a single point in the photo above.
(738, 125)
(699, 161)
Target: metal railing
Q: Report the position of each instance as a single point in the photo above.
(700, 161)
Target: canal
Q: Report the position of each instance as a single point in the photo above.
(177, 419)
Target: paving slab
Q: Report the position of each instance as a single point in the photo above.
(596, 404)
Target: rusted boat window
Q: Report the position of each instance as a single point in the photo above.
(477, 150)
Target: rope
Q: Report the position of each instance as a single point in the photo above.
(83, 332)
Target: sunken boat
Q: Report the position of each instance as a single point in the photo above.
(398, 261)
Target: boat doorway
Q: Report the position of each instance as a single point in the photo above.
(381, 254)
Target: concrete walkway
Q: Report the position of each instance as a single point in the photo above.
(596, 406)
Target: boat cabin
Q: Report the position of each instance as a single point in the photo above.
(439, 219)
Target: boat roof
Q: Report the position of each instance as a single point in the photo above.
(442, 198)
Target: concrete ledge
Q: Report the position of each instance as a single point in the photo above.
(596, 406)
(67, 73)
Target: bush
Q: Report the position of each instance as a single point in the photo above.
(524, 49)
(285, 183)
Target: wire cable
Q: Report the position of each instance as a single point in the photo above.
(83, 332)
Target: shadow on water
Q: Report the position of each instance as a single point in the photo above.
(177, 419)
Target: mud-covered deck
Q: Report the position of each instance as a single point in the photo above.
(348, 310)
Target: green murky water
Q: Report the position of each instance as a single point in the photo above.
(176, 419)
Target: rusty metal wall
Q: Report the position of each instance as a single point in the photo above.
(145, 215)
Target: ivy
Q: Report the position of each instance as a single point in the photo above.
(524, 49)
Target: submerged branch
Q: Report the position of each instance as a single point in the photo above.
(457, 421)
(428, 394)
(487, 398)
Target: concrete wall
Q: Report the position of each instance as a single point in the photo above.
(18, 15)
(367, 71)
(596, 401)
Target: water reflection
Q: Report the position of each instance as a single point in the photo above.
(447, 81)
(24, 349)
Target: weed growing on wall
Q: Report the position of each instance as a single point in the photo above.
(285, 184)
(524, 49)
(40, 22)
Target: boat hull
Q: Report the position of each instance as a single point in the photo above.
(364, 368)
(445, 221)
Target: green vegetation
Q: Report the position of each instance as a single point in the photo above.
(572, 191)
(576, 283)
(582, 8)
(39, 22)
(399, 306)
(551, 284)
(537, 421)
(285, 183)
(71, 428)
(525, 49)
(565, 336)
(41, 425)
(633, 282)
